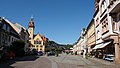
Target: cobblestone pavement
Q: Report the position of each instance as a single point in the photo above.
(62, 61)
(27, 62)
(72, 61)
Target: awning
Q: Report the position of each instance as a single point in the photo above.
(102, 45)
(98, 46)
(105, 44)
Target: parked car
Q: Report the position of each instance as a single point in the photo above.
(109, 57)
(40, 53)
(10, 55)
(51, 53)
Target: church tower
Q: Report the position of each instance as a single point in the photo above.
(31, 29)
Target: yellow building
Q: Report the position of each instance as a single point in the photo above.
(36, 40)
(91, 36)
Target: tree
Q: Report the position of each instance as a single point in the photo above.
(18, 47)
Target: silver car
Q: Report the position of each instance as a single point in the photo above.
(109, 57)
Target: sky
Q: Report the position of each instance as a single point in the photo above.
(58, 20)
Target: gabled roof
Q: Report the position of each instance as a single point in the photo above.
(13, 26)
(19, 26)
(42, 36)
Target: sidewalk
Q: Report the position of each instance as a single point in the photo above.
(94, 60)
(101, 61)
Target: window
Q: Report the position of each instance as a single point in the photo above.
(1, 24)
(97, 21)
(7, 28)
(114, 21)
(39, 42)
(104, 24)
(103, 6)
(4, 26)
(35, 42)
(119, 23)
(96, 5)
(98, 34)
(114, 26)
(37, 46)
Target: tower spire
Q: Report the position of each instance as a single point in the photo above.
(31, 23)
(32, 18)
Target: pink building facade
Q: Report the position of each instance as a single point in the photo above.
(107, 27)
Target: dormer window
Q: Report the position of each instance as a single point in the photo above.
(103, 7)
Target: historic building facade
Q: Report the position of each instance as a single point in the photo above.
(36, 40)
(107, 25)
(114, 13)
(8, 34)
(24, 35)
(102, 35)
(91, 36)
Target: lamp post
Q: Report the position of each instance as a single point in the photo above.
(86, 46)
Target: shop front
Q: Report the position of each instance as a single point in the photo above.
(103, 48)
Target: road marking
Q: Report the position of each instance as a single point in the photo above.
(54, 64)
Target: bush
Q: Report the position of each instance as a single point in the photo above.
(18, 48)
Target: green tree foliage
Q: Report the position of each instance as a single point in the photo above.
(18, 47)
(68, 46)
(58, 48)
